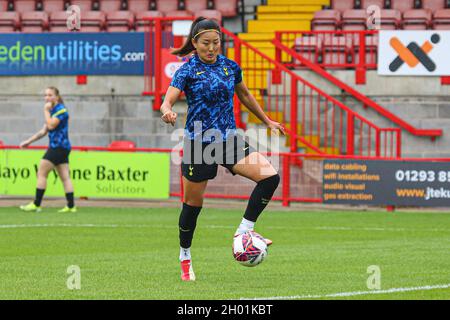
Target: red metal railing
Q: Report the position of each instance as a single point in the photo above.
(332, 49)
(315, 120)
(361, 99)
(298, 183)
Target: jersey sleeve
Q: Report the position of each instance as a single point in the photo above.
(61, 114)
(180, 77)
(237, 72)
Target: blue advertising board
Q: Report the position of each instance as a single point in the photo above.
(109, 53)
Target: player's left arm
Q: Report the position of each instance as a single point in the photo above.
(52, 122)
(249, 101)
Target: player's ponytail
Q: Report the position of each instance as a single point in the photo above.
(199, 24)
(56, 92)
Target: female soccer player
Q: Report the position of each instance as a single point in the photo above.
(57, 155)
(209, 81)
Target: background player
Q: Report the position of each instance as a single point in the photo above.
(57, 155)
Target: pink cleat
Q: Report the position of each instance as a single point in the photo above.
(187, 273)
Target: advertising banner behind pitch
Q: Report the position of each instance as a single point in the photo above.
(71, 53)
(377, 182)
(94, 174)
(414, 53)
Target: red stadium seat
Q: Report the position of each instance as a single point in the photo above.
(354, 20)
(367, 3)
(9, 21)
(138, 5)
(142, 25)
(58, 21)
(326, 20)
(53, 5)
(3, 5)
(108, 6)
(342, 5)
(210, 14)
(85, 5)
(119, 21)
(433, 5)
(196, 5)
(34, 21)
(179, 13)
(309, 48)
(92, 21)
(122, 144)
(336, 50)
(418, 19)
(166, 5)
(24, 5)
(390, 19)
(402, 5)
(226, 8)
(442, 19)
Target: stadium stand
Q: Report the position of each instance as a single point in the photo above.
(85, 5)
(441, 19)
(3, 5)
(34, 21)
(210, 14)
(137, 6)
(354, 20)
(417, 19)
(93, 21)
(22, 6)
(342, 5)
(367, 3)
(166, 6)
(109, 6)
(326, 20)
(227, 8)
(9, 21)
(142, 25)
(403, 5)
(119, 21)
(433, 5)
(53, 5)
(196, 5)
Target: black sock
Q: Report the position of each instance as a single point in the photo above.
(187, 224)
(70, 201)
(260, 197)
(39, 196)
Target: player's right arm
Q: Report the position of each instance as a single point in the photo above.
(168, 116)
(38, 135)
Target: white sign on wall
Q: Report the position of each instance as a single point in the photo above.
(414, 53)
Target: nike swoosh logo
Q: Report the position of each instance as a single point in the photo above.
(246, 148)
(199, 73)
(191, 168)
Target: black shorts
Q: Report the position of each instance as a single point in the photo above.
(200, 166)
(57, 156)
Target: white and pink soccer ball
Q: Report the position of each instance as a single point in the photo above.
(249, 249)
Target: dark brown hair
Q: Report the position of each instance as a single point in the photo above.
(56, 91)
(198, 25)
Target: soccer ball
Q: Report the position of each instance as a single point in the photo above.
(249, 249)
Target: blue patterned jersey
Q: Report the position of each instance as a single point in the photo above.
(209, 90)
(59, 137)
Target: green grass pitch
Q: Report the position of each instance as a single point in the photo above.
(132, 253)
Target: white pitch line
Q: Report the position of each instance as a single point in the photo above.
(355, 293)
